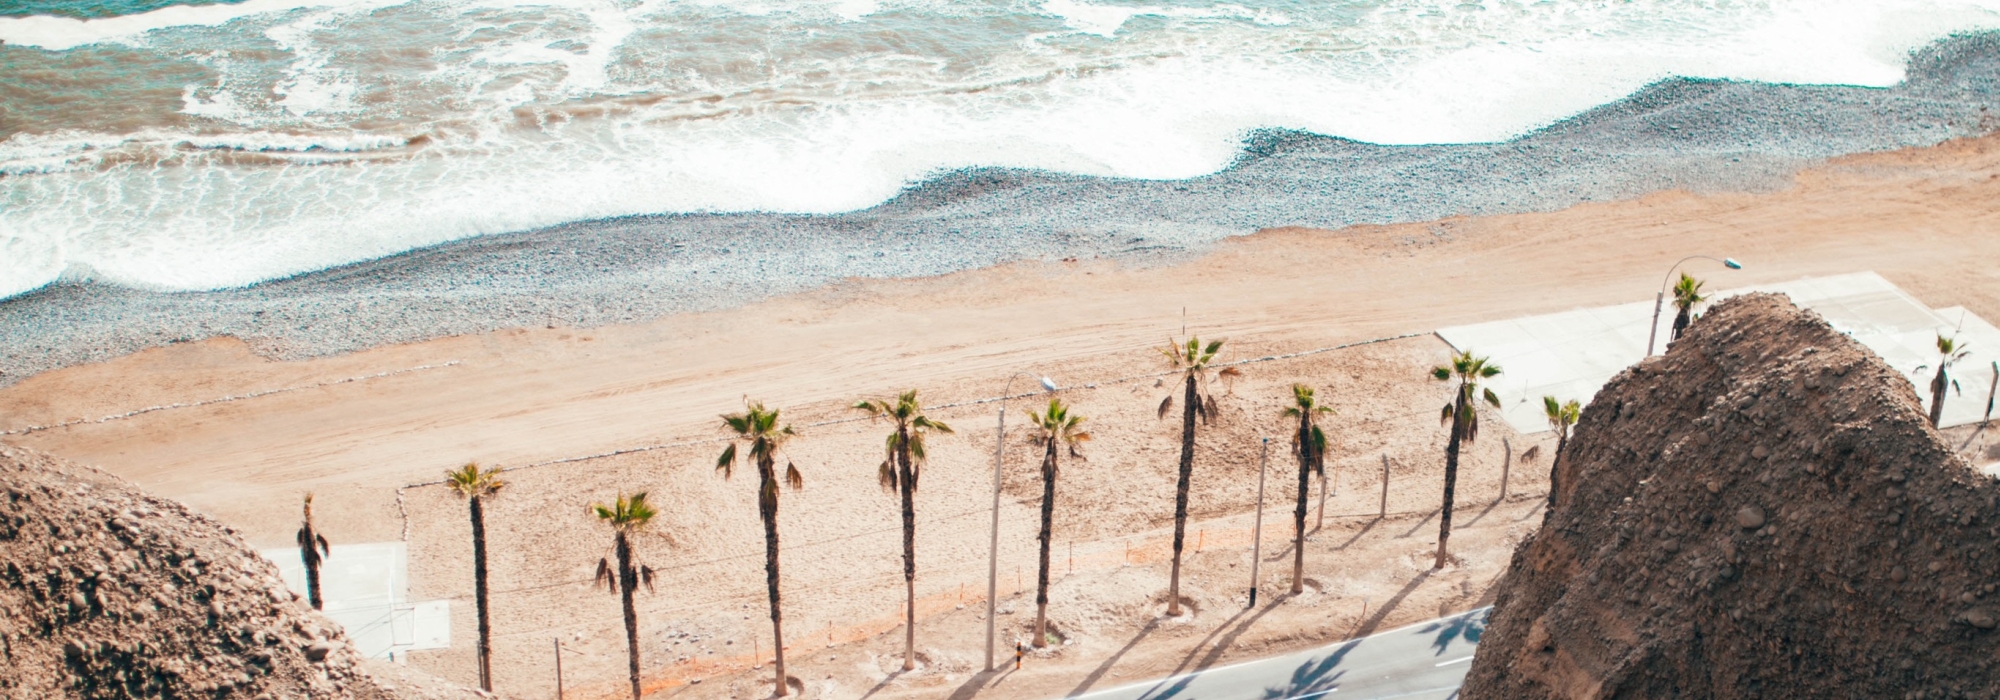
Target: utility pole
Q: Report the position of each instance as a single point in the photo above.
(993, 547)
(1506, 464)
(1257, 531)
(559, 683)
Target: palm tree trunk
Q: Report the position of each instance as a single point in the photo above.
(1188, 409)
(909, 489)
(1305, 455)
(1938, 384)
(479, 594)
(1450, 478)
(312, 575)
(1555, 464)
(1681, 320)
(628, 583)
(1048, 524)
(767, 506)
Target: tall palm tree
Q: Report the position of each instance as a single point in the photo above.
(1687, 293)
(1056, 429)
(475, 485)
(760, 427)
(1192, 361)
(312, 550)
(1462, 414)
(1309, 446)
(902, 463)
(1950, 351)
(626, 516)
(1561, 417)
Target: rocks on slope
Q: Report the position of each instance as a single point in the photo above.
(1761, 513)
(108, 593)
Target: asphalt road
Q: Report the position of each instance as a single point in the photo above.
(1425, 661)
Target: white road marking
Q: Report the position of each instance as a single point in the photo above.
(1313, 695)
(1453, 661)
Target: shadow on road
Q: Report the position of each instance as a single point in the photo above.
(1215, 652)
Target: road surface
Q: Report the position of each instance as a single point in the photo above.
(1425, 661)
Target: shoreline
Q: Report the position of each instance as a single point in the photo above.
(1693, 135)
(1920, 217)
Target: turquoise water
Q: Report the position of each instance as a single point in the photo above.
(88, 8)
(207, 146)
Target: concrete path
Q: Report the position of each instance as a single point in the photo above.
(1425, 661)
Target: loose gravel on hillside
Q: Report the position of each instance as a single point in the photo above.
(108, 593)
(1763, 512)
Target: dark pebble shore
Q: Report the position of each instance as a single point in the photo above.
(1700, 135)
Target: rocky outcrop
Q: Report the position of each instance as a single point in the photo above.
(108, 593)
(1763, 512)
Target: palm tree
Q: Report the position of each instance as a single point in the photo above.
(475, 485)
(313, 550)
(1309, 445)
(766, 436)
(1561, 417)
(626, 516)
(1949, 353)
(1056, 428)
(902, 464)
(1463, 416)
(1192, 361)
(1687, 293)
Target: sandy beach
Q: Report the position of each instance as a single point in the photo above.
(525, 397)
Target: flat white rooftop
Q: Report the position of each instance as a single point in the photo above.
(1570, 355)
(366, 587)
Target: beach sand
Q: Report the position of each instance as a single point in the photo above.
(1922, 218)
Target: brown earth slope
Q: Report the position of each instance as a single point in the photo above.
(108, 593)
(1762, 512)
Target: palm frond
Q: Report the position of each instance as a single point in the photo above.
(793, 478)
(604, 576)
(1166, 405)
(727, 461)
(1491, 398)
(646, 577)
(887, 475)
(1441, 373)
(1444, 417)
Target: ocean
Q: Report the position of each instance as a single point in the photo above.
(321, 176)
(171, 147)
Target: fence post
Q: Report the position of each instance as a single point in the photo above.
(1385, 487)
(1506, 465)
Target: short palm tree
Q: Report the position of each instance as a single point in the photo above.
(1950, 352)
(1462, 414)
(626, 516)
(767, 437)
(1309, 446)
(1561, 417)
(902, 463)
(475, 485)
(1687, 293)
(1057, 430)
(313, 550)
(1191, 360)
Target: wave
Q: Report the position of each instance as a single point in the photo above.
(327, 132)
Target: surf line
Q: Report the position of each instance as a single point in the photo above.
(229, 398)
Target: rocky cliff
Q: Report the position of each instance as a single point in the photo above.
(108, 593)
(1762, 512)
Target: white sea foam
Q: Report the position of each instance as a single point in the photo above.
(538, 113)
(58, 33)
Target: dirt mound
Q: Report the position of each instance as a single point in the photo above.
(1762, 512)
(108, 593)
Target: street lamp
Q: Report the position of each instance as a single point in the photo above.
(1659, 302)
(993, 550)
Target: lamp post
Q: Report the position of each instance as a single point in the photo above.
(993, 548)
(1257, 530)
(1659, 301)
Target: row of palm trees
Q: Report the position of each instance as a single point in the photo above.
(759, 438)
